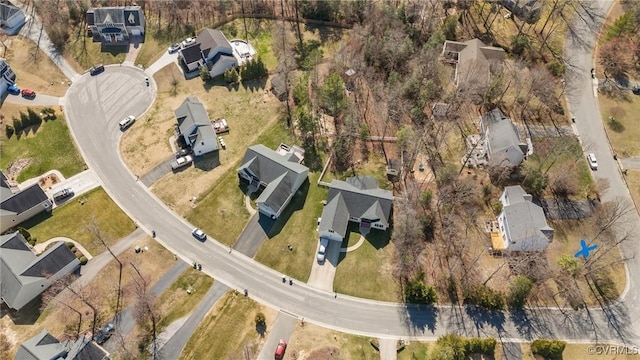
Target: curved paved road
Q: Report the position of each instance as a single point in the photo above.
(96, 104)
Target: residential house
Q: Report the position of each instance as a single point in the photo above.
(526, 10)
(357, 200)
(24, 275)
(474, 61)
(11, 17)
(279, 88)
(45, 346)
(278, 175)
(16, 207)
(522, 225)
(211, 49)
(117, 25)
(195, 127)
(502, 142)
(7, 77)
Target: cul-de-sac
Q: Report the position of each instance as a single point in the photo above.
(319, 179)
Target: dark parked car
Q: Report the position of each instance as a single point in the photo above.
(636, 90)
(13, 89)
(97, 69)
(28, 93)
(182, 152)
(103, 334)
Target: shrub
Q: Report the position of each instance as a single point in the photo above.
(25, 233)
(17, 124)
(260, 318)
(519, 291)
(253, 69)
(83, 260)
(204, 73)
(480, 346)
(9, 131)
(519, 44)
(548, 349)
(26, 121)
(70, 244)
(615, 125)
(417, 292)
(231, 76)
(34, 117)
(556, 68)
(483, 296)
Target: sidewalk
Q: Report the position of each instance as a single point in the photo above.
(40, 247)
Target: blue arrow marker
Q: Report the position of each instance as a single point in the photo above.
(585, 250)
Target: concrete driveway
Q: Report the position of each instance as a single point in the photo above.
(39, 100)
(252, 236)
(164, 60)
(322, 275)
(282, 329)
(158, 171)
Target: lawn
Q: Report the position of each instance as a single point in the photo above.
(49, 147)
(82, 53)
(33, 69)
(587, 351)
(415, 350)
(175, 302)
(73, 218)
(625, 131)
(229, 331)
(633, 182)
(314, 342)
(366, 272)
(296, 226)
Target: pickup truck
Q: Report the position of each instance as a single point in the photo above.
(181, 161)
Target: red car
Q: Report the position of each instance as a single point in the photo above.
(28, 93)
(282, 347)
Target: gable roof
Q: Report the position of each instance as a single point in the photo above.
(358, 197)
(501, 133)
(474, 58)
(24, 200)
(23, 275)
(127, 15)
(193, 121)
(210, 39)
(191, 53)
(525, 224)
(45, 346)
(275, 170)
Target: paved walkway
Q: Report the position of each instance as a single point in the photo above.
(40, 247)
(354, 246)
(388, 349)
(630, 163)
(247, 203)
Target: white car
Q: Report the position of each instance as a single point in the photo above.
(188, 41)
(593, 162)
(199, 234)
(124, 124)
(322, 251)
(181, 161)
(173, 48)
(222, 143)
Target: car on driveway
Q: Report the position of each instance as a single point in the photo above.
(28, 93)
(182, 152)
(593, 162)
(181, 161)
(199, 234)
(280, 349)
(322, 250)
(62, 194)
(173, 48)
(13, 89)
(97, 69)
(188, 42)
(103, 334)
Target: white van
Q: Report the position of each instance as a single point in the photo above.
(127, 122)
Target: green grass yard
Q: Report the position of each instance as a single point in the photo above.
(73, 218)
(624, 137)
(49, 147)
(176, 303)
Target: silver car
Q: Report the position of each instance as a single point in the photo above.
(593, 162)
(322, 251)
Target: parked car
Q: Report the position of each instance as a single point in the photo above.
(181, 161)
(188, 41)
(96, 69)
(280, 349)
(322, 251)
(635, 90)
(593, 162)
(174, 47)
(103, 334)
(222, 143)
(13, 89)
(124, 124)
(182, 152)
(28, 93)
(199, 234)
(62, 194)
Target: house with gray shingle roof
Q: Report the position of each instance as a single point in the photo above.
(501, 139)
(7, 78)
(21, 205)
(278, 176)
(358, 200)
(195, 126)
(116, 25)
(45, 346)
(24, 276)
(11, 17)
(211, 49)
(522, 225)
(475, 61)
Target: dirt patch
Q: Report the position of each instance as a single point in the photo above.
(33, 69)
(46, 182)
(326, 353)
(15, 167)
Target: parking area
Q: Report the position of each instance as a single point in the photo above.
(322, 275)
